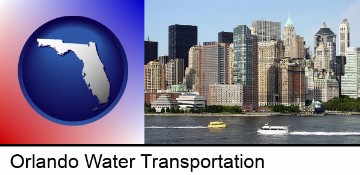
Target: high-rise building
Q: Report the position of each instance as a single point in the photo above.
(292, 82)
(174, 73)
(151, 51)
(192, 71)
(243, 68)
(231, 65)
(152, 77)
(350, 82)
(163, 60)
(213, 65)
(326, 54)
(226, 94)
(325, 88)
(266, 30)
(225, 37)
(270, 53)
(254, 93)
(208, 68)
(242, 55)
(294, 44)
(181, 39)
(309, 83)
(344, 37)
(243, 60)
(340, 69)
(322, 61)
(223, 58)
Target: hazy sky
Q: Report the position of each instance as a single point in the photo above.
(213, 16)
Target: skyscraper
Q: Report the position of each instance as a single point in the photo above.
(344, 37)
(152, 77)
(270, 53)
(266, 30)
(254, 93)
(243, 72)
(289, 38)
(231, 65)
(151, 51)
(208, 68)
(225, 37)
(192, 71)
(325, 49)
(181, 39)
(242, 55)
(294, 44)
(323, 58)
(214, 65)
(292, 82)
(350, 82)
(174, 72)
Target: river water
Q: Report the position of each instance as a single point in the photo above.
(330, 129)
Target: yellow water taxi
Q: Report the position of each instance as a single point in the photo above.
(217, 124)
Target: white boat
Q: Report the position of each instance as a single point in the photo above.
(267, 129)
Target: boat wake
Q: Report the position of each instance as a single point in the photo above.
(326, 133)
(174, 127)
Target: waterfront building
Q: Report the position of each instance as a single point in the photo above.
(181, 39)
(344, 37)
(151, 51)
(162, 102)
(292, 82)
(226, 94)
(231, 65)
(163, 60)
(191, 100)
(269, 54)
(152, 76)
(254, 87)
(213, 65)
(225, 37)
(152, 96)
(350, 81)
(242, 55)
(243, 65)
(325, 88)
(178, 88)
(309, 83)
(266, 30)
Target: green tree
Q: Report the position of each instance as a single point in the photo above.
(172, 110)
(177, 110)
(153, 110)
(167, 109)
(192, 110)
(162, 110)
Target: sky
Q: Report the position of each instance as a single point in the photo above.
(213, 16)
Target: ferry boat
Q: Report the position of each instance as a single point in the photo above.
(267, 129)
(217, 124)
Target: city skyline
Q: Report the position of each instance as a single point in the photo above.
(160, 14)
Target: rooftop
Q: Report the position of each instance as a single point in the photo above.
(289, 22)
(324, 30)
